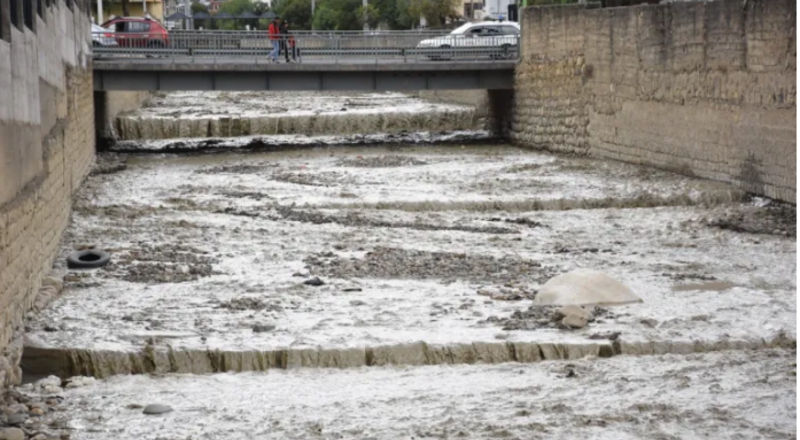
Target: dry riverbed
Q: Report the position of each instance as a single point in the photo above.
(418, 255)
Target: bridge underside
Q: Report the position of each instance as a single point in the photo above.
(397, 77)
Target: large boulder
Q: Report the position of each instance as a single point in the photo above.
(584, 287)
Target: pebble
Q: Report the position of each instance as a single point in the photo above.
(262, 328)
(72, 278)
(157, 408)
(357, 302)
(39, 437)
(16, 419)
(313, 282)
(11, 434)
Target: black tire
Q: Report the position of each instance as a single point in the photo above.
(88, 259)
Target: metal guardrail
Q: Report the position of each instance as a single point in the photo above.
(334, 46)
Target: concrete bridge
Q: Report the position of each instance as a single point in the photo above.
(322, 74)
(204, 60)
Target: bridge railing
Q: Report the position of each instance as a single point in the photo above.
(335, 47)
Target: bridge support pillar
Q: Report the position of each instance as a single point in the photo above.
(501, 103)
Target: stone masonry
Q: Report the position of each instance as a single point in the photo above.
(700, 88)
(46, 150)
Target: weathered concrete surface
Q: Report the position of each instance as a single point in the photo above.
(427, 254)
(46, 149)
(188, 64)
(109, 105)
(700, 88)
(231, 114)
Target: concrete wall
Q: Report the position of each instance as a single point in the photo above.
(46, 150)
(701, 88)
(492, 107)
(109, 105)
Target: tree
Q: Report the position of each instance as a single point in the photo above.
(126, 9)
(236, 7)
(368, 15)
(197, 8)
(436, 12)
(325, 18)
(296, 12)
(340, 15)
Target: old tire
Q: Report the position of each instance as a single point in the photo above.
(88, 259)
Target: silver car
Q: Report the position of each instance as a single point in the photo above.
(474, 36)
(103, 37)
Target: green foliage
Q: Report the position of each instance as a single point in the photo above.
(338, 15)
(199, 7)
(368, 15)
(351, 15)
(296, 12)
(436, 12)
(324, 18)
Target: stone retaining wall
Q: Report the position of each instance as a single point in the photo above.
(46, 150)
(701, 88)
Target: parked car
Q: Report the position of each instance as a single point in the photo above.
(485, 34)
(102, 37)
(138, 32)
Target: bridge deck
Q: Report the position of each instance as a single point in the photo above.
(187, 73)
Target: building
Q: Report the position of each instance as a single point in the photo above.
(136, 8)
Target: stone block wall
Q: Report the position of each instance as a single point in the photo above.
(701, 88)
(46, 150)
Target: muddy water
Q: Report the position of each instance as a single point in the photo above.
(216, 114)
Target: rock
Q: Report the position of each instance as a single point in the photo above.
(80, 381)
(262, 328)
(584, 287)
(37, 412)
(39, 436)
(313, 282)
(571, 310)
(357, 303)
(11, 434)
(488, 292)
(575, 321)
(70, 278)
(54, 282)
(351, 289)
(16, 419)
(650, 322)
(157, 408)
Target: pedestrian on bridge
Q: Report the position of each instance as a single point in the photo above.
(291, 44)
(284, 30)
(275, 39)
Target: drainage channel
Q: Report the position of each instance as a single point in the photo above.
(317, 263)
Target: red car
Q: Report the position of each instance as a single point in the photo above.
(138, 32)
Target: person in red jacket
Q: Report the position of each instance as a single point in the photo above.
(275, 39)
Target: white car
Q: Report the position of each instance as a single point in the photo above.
(102, 36)
(486, 34)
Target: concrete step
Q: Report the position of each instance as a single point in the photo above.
(747, 394)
